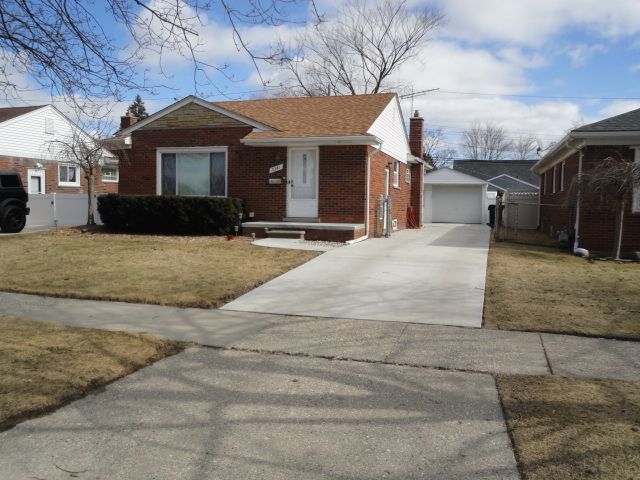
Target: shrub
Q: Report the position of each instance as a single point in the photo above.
(169, 214)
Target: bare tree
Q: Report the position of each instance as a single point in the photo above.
(438, 154)
(525, 147)
(359, 51)
(610, 183)
(485, 141)
(89, 154)
(63, 46)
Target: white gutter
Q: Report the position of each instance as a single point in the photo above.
(338, 140)
(555, 156)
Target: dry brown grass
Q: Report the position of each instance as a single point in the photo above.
(542, 289)
(570, 429)
(184, 271)
(44, 365)
(528, 237)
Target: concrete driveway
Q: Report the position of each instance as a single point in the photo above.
(435, 275)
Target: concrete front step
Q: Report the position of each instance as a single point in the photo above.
(297, 234)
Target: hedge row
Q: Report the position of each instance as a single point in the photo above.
(169, 214)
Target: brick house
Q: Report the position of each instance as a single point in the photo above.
(27, 146)
(592, 223)
(316, 164)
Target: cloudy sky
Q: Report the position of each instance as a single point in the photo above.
(533, 66)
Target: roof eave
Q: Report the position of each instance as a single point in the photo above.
(560, 151)
(576, 140)
(318, 140)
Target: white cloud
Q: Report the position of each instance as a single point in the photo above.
(582, 53)
(451, 67)
(517, 57)
(547, 121)
(619, 106)
(535, 22)
(635, 68)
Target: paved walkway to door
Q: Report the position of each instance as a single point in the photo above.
(435, 275)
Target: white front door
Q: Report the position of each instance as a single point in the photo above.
(302, 183)
(36, 181)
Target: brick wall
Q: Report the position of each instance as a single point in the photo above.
(597, 221)
(342, 169)
(22, 166)
(400, 196)
(343, 183)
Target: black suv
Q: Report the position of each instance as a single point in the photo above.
(13, 203)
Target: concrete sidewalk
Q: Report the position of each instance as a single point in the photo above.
(223, 415)
(476, 350)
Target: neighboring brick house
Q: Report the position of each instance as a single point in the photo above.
(316, 164)
(27, 146)
(592, 223)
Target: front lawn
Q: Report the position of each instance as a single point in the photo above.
(45, 365)
(543, 289)
(572, 429)
(184, 271)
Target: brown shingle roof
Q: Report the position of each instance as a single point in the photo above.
(12, 112)
(312, 116)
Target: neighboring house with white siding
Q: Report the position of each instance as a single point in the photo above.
(337, 168)
(28, 137)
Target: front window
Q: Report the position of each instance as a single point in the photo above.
(396, 174)
(68, 176)
(562, 176)
(194, 173)
(109, 174)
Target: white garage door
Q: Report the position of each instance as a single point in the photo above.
(456, 204)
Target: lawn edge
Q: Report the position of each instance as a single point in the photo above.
(566, 333)
(170, 349)
(514, 445)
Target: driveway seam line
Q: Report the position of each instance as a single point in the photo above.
(546, 355)
(356, 360)
(394, 349)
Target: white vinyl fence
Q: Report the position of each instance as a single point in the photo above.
(59, 209)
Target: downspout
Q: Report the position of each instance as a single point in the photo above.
(576, 241)
(367, 200)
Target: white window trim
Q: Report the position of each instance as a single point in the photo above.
(111, 181)
(544, 183)
(213, 149)
(635, 207)
(69, 184)
(555, 174)
(396, 174)
(562, 176)
(40, 172)
(49, 126)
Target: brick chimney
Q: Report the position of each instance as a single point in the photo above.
(416, 129)
(127, 120)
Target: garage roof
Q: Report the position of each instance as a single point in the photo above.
(448, 176)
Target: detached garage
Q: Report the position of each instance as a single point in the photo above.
(454, 197)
